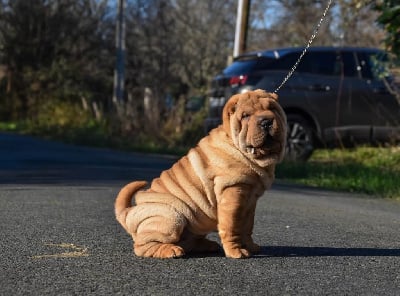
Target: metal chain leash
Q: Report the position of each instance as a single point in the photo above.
(306, 48)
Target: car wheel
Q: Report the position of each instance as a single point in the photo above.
(300, 138)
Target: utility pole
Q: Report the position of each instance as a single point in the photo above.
(242, 22)
(119, 72)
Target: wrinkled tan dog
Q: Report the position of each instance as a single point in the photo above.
(214, 187)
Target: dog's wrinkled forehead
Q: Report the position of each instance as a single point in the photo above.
(255, 101)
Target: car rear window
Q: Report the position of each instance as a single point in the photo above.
(246, 65)
(321, 63)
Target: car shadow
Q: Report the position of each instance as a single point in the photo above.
(290, 251)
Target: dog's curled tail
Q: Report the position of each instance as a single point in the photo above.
(124, 199)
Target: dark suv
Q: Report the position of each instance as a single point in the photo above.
(337, 95)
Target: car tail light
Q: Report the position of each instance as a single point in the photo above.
(238, 80)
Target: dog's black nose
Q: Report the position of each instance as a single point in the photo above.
(266, 124)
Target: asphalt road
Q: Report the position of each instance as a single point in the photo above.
(59, 236)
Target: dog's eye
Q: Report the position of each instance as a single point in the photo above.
(245, 115)
(266, 123)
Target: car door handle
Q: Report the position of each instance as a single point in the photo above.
(320, 87)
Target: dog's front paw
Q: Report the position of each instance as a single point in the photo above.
(237, 253)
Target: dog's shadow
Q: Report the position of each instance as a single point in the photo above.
(291, 251)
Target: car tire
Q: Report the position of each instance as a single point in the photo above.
(300, 138)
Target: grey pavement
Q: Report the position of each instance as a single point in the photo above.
(59, 236)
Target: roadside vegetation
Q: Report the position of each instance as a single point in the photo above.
(370, 170)
(374, 171)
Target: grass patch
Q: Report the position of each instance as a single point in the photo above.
(374, 171)
(9, 126)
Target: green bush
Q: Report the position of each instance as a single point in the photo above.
(66, 121)
(374, 171)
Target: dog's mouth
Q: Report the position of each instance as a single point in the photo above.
(259, 151)
(251, 150)
(268, 146)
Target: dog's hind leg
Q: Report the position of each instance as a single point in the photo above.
(159, 250)
(157, 235)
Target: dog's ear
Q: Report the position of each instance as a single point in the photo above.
(229, 109)
(273, 96)
(263, 94)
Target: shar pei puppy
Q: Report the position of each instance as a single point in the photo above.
(214, 187)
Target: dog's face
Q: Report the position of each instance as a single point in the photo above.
(257, 125)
